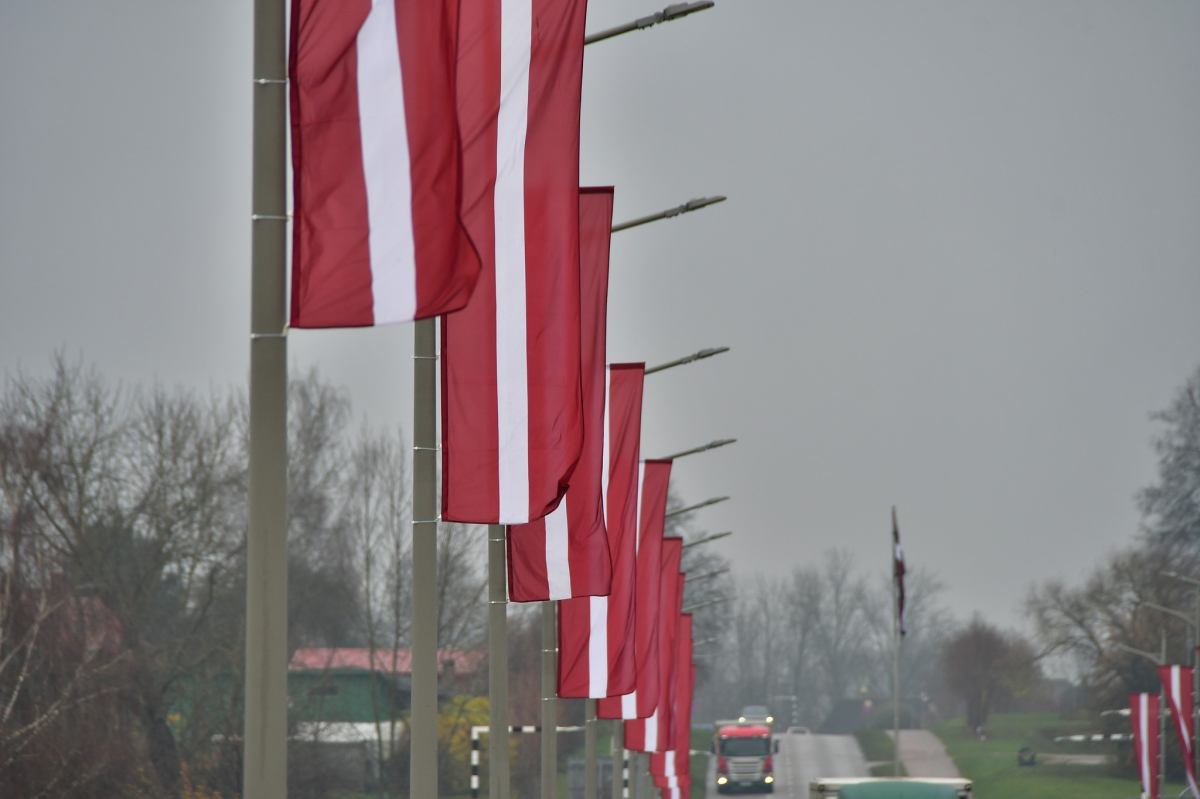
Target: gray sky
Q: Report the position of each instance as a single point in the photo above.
(958, 266)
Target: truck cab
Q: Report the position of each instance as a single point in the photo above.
(744, 761)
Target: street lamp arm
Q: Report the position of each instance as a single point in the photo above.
(690, 205)
(699, 605)
(697, 506)
(1169, 611)
(671, 12)
(706, 539)
(691, 579)
(705, 353)
(1181, 578)
(1148, 655)
(720, 442)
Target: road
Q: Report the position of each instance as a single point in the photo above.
(803, 758)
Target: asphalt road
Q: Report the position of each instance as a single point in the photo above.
(803, 758)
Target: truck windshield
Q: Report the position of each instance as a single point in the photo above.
(745, 747)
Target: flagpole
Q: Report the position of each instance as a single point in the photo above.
(591, 765)
(498, 781)
(550, 701)
(265, 732)
(423, 753)
(1162, 720)
(895, 657)
(620, 759)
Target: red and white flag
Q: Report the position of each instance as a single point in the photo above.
(512, 410)
(376, 163)
(671, 768)
(1177, 685)
(596, 634)
(565, 554)
(640, 703)
(653, 733)
(1144, 715)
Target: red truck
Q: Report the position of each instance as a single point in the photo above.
(743, 751)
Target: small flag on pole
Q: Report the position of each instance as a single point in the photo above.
(376, 164)
(1144, 716)
(898, 570)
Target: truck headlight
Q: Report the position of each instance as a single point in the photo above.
(722, 780)
(769, 779)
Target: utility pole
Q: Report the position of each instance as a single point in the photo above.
(265, 733)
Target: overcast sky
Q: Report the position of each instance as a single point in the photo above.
(959, 265)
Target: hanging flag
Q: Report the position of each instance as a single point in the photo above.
(376, 164)
(1177, 686)
(671, 768)
(652, 733)
(565, 554)
(1144, 715)
(512, 410)
(898, 576)
(640, 703)
(596, 634)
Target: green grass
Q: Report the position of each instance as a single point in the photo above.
(992, 764)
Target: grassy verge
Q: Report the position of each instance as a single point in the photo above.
(876, 745)
(992, 763)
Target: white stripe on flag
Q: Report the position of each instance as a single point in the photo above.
(629, 705)
(1144, 729)
(386, 166)
(558, 565)
(512, 373)
(669, 765)
(607, 442)
(598, 648)
(652, 732)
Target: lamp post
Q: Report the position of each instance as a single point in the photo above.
(695, 356)
(1158, 660)
(697, 506)
(705, 576)
(671, 12)
(1194, 659)
(690, 205)
(720, 442)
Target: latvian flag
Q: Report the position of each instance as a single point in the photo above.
(596, 634)
(671, 769)
(898, 571)
(653, 733)
(1144, 716)
(376, 163)
(639, 704)
(1177, 685)
(512, 408)
(565, 554)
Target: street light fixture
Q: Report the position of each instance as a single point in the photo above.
(720, 442)
(696, 356)
(705, 576)
(690, 205)
(706, 539)
(671, 12)
(697, 506)
(699, 605)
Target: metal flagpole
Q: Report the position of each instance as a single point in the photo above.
(423, 747)
(498, 782)
(895, 667)
(549, 700)
(620, 759)
(591, 765)
(265, 734)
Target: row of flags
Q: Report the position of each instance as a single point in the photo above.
(435, 150)
(1144, 714)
